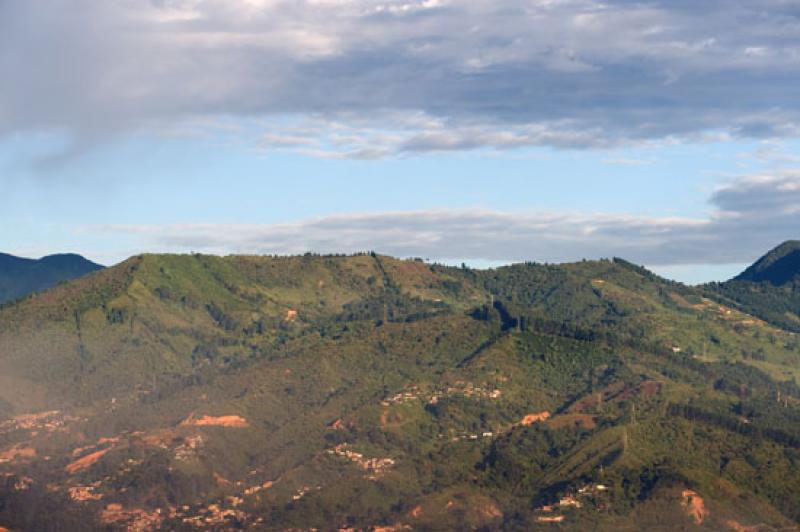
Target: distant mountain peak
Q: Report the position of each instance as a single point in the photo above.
(777, 267)
(20, 276)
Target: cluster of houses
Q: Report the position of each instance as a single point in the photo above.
(567, 501)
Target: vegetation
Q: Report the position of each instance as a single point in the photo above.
(769, 289)
(363, 391)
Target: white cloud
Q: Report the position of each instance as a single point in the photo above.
(501, 74)
(752, 214)
(625, 161)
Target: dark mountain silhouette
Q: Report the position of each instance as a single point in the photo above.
(20, 276)
(778, 267)
(769, 289)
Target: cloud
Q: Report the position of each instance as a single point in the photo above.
(751, 215)
(497, 74)
(622, 161)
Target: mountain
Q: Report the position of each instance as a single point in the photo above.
(369, 393)
(20, 277)
(769, 289)
(778, 267)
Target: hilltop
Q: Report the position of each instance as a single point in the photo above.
(20, 277)
(194, 391)
(778, 267)
(769, 289)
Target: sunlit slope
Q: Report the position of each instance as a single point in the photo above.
(363, 391)
(157, 319)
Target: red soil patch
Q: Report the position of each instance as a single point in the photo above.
(32, 421)
(157, 439)
(220, 480)
(341, 424)
(137, 519)
(476, 511)
(477, 508)
(46, 421)
(237, 422)
(530, 419)
(83, 494)
(489, 511)
(86, 462)
(694, 505)
(17, 452)
(255, 489)
(80, 450)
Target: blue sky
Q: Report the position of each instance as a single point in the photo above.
(487, 132)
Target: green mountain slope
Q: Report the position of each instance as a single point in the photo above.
(363, 392)
(20, 277)
(770, 288)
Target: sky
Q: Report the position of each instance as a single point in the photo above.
(482, 131)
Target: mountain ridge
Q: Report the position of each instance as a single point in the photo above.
(778, 267)
(20, 276)
(363, 391)
(769, 288)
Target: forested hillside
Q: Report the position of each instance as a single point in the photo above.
(370, 393)
(769, 289)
